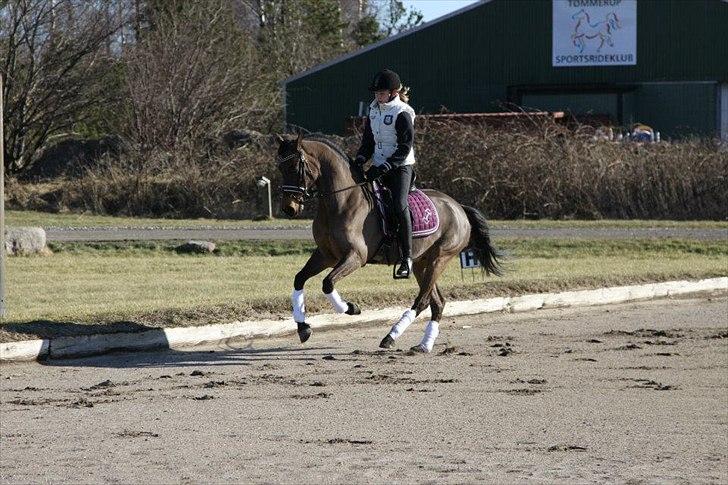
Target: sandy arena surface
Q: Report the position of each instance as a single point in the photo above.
(628, 393)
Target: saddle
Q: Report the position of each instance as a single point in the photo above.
(425, 220)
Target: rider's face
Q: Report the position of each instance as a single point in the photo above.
(383, 96)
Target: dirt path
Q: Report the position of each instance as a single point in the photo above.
(149, 234)
(625, 393)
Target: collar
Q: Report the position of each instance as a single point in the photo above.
(386, 106)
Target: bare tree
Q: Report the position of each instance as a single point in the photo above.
(53, 54)
(196, 75)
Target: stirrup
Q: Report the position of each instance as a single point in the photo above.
(404, 271)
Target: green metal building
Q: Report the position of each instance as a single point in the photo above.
(659, 62)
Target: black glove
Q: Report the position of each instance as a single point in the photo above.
(377, 171)
(360, 160)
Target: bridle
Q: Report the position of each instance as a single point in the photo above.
(300, 192)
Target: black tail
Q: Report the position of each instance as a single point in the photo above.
(480, 242)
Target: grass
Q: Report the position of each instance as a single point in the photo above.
(138, 285)
(68, 220)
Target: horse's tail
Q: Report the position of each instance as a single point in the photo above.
(480, 242)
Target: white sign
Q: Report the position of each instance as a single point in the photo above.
(468, 259)
(594, 33)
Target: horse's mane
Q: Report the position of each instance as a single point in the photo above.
(345, 156)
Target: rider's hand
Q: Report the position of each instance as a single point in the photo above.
(360, 160)
(377, 171)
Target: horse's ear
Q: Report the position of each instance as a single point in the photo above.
(299, 140)
(278, 138)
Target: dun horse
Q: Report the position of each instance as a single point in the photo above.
(349, 235)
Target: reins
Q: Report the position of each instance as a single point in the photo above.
(308, 193)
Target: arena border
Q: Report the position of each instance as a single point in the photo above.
(187, 337)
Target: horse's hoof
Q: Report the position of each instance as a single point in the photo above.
(387, 342)
(304, 331)
(353, 309)
(419, 349)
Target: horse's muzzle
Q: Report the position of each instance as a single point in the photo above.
(290, 206)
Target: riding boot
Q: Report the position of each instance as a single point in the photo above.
(405, 244)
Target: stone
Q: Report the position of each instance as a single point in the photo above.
(25, 240)
(198, 247)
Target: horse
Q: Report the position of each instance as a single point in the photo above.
(348, 233)
(584, 30)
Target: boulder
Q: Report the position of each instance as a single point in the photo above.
(198, 247)
(25, 240)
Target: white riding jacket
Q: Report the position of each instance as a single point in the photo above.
(382, 118)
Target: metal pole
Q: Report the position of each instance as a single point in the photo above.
(270, 203)
(2, 201)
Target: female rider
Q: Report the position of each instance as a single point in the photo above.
(388, 138)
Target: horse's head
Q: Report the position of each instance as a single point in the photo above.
(613, 21)
(580, 15)
(298, 174)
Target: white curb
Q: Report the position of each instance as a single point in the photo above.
(185, 337)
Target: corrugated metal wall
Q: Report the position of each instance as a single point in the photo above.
(473, 61)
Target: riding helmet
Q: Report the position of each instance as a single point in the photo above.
(385, 79)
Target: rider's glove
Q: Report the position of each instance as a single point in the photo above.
(360, 160)
(377, 171)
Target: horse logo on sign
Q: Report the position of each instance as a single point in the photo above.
(585, 30)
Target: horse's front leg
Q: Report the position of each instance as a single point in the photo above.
(351, 262)
(315, 264)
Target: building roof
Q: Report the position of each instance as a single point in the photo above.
(382, 42)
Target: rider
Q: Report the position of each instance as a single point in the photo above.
(388, 138)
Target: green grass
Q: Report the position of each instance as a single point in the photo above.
(66, 220)
(149, 284)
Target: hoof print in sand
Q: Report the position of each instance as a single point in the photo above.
(567, 448)
(650, 384)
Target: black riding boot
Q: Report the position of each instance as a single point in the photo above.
(405, 244)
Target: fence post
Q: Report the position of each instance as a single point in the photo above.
(2, 200)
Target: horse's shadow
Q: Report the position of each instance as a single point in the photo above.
(170, 358)
(232, 352)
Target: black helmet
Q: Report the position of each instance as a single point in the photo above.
(385, 79)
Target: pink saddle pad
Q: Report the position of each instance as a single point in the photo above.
(425, 219)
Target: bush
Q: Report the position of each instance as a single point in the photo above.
(544, 170)
(547, 170)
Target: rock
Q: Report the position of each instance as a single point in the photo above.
(199, 247)
(25, 240)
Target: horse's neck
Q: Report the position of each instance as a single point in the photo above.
(341, 191)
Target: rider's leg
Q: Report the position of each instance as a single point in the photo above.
(398, 181)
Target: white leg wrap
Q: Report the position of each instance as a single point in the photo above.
(299, 307)
(432, 330)
(398, 329)
(339, 305)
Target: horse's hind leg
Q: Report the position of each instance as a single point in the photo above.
(432, 329)
(315, 264)
(418, 268)
(430, 294)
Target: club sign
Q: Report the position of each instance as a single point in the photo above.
(594, 33)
